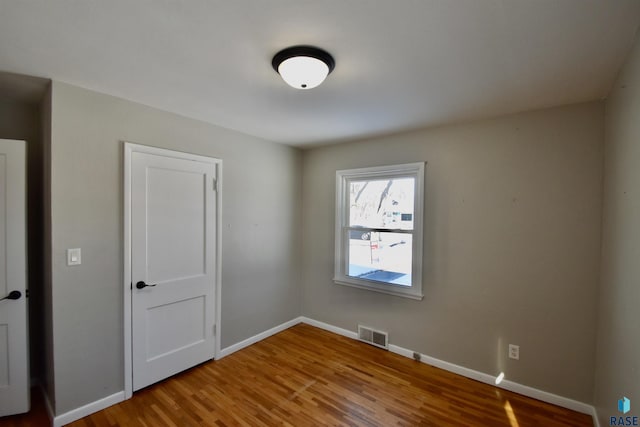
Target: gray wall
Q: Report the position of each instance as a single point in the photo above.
(618, 359)
(511, 245)
(260, 231)
(512, 240)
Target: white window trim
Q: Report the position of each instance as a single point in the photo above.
(341, 244)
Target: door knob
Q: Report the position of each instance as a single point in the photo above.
(142, 285)
(12, 295)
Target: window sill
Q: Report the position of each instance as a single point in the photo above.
(384, 289)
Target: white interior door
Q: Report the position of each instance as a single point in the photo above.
(14, 357)
(173, 261)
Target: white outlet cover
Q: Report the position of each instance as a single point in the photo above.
(74, 256)
(514, 351)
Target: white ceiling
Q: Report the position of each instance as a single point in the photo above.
(400, 64)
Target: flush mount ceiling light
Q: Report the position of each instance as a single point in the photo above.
(303, 67)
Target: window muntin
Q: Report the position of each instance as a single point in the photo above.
(379, 229)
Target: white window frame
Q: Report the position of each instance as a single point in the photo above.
(343, 178)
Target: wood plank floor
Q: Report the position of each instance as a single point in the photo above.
(38, 416)
(305, 376)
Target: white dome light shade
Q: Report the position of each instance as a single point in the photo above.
(303, 72)
(303, 67)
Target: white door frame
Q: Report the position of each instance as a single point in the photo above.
(129, 149)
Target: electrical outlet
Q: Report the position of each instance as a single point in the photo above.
(514, 351)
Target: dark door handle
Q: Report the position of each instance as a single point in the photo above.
(12, 295)
(142, 285)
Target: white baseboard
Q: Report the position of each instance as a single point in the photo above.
(76, 414)
(254, 339)
(98, 405)
(544, 396)
(327, 327)
(83, 411)
(596, 420)
(534, 393)
(472, 374)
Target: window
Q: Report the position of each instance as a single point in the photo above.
(379, 229)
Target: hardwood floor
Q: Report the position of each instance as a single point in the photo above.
(38, 416)
(305, 376)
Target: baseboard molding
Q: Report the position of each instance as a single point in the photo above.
(327, 327)
(472, 374)
(506, 384)
(83, 411)
(76, 414)
(259, 337)
(98, 405)
(545, 396)
(596, 420)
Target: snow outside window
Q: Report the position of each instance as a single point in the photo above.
(379, 229)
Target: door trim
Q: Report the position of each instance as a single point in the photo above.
(129, 149)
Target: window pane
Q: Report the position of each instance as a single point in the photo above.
(382, 257)
(384, 203)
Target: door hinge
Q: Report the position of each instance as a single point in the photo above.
(215, 184)
(214, 329)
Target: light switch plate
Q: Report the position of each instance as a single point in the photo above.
(74, 256)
